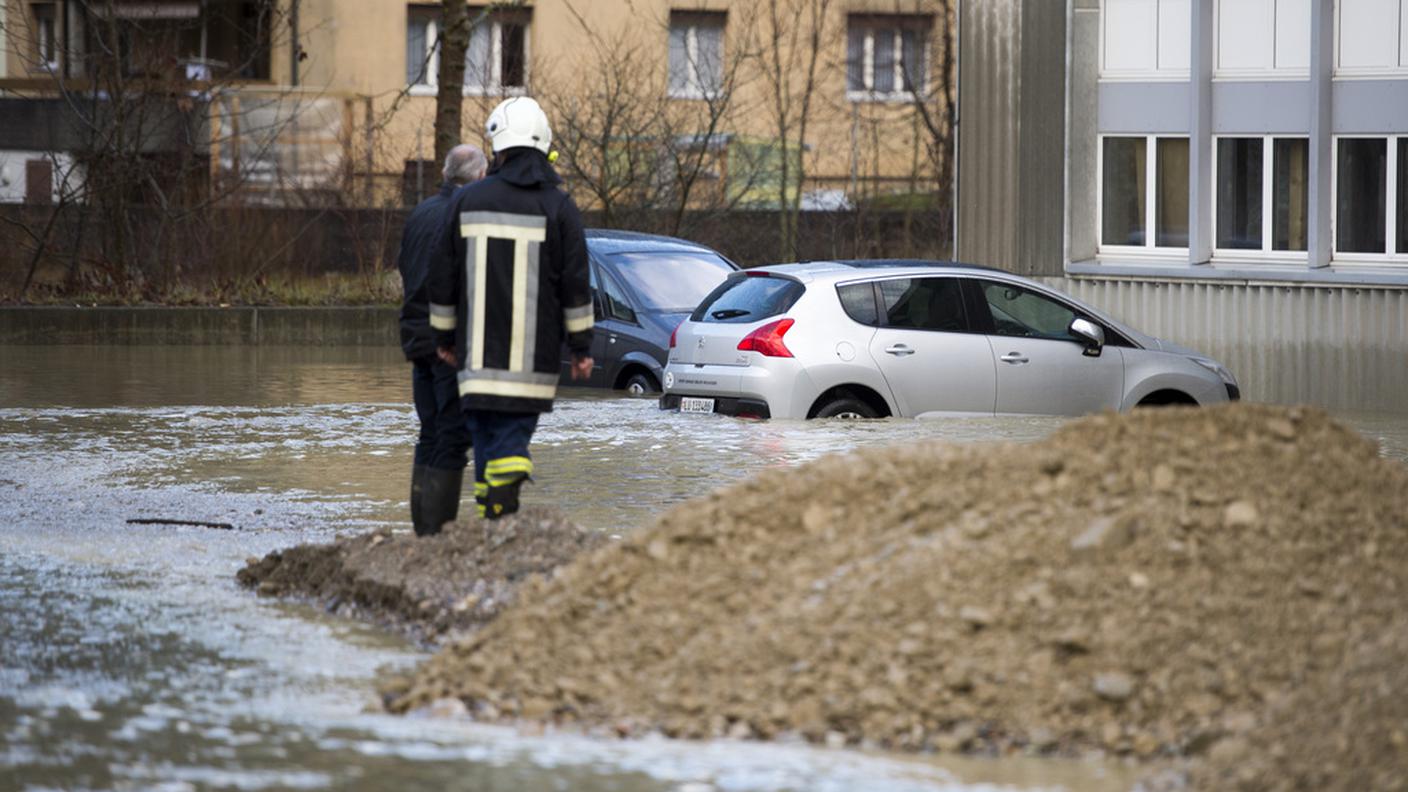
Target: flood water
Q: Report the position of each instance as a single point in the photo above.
(130, 659)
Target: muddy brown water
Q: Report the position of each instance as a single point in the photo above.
(130, 659)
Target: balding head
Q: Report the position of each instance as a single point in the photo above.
(464, 164)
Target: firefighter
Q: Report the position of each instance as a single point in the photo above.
(437, 474)
(509, 286)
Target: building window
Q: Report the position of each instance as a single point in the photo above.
(496, 60)
(1262, 193)
(1371, 37)
(1135, 210)
(1145, 39)
(887, 56)
(696, 54)
(1263, 38)
(1371, 197)
(46, 36)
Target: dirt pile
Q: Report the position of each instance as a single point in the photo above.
(433, 587)
(1143, 584)
(1346, 731)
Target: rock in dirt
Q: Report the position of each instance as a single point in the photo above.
(812, 601)
(428, 587)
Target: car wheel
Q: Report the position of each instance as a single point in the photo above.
(846, 407)
(641, 384)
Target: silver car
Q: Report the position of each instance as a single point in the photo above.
(868, 339)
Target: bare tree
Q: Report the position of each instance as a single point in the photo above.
(794, 34)
(453, 43)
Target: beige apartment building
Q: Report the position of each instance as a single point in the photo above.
(339, 95)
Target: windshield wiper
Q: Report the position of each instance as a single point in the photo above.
(730, 313)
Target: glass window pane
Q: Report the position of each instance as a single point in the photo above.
(855, 58)
(884, 61)
(924, 304)
(671, 282)
(711, 56)
(1171, 193)
(415, 51)
(914, 69)
(1239, 193)
(614, 298)
(1026, 314)
(679, 58)
(513, 66)
(744, 299)
(1290, 165)
(1122, 191)
(1360, 195)
(477, 70)
(858, 299)
(1403, 191)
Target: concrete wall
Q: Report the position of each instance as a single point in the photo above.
(375, 325)
(1012, 107)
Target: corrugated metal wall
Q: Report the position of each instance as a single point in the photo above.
(1336, 347)
(1011, 139)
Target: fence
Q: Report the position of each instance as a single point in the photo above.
(221, 245)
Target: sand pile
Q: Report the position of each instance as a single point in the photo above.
(1144, 584)
(431, 588)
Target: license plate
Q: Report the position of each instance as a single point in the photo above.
(689, 404)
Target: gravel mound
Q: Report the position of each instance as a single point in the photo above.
(1142, 584)
(431, 588)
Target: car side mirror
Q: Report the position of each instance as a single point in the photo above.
(1092, 334)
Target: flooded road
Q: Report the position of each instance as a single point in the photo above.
(129, 658)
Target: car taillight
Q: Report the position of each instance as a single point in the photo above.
(675, 334)
(767, 340)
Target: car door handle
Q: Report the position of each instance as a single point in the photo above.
(1015, 358)
(899, 350)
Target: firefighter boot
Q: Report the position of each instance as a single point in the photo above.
(417, 488)
(440, 501)
(502, 499)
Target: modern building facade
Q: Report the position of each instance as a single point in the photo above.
(1223, 172)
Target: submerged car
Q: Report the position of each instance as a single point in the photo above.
(643, 286)
(868, 339)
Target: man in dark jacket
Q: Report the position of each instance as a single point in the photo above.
(438, 473)
(509, 286)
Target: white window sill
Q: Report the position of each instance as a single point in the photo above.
(1182, 272)
(893, 97)
(1161, 76)
(422, 89)
(1399, 260)
(693, 95)
(1259, 258)
(1385, 73)
(1134, 254)
(1260, 75)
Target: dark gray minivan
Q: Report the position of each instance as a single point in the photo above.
(643, 286)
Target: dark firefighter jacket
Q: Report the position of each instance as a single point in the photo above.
(418, 240)
(510, 279)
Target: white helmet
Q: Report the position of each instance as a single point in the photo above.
(519, 122)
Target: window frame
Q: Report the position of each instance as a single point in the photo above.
(1392, 256)
(496, 38)
(896, 25)
(1149, 250)
(694, 85)
(1155, 74)
(1372, 72)
(1268, 214)
(1272, 73)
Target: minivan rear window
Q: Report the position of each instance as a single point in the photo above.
(747, 298)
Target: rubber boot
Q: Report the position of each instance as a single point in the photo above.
(502, 499)
(417, 487)
(440, 501)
